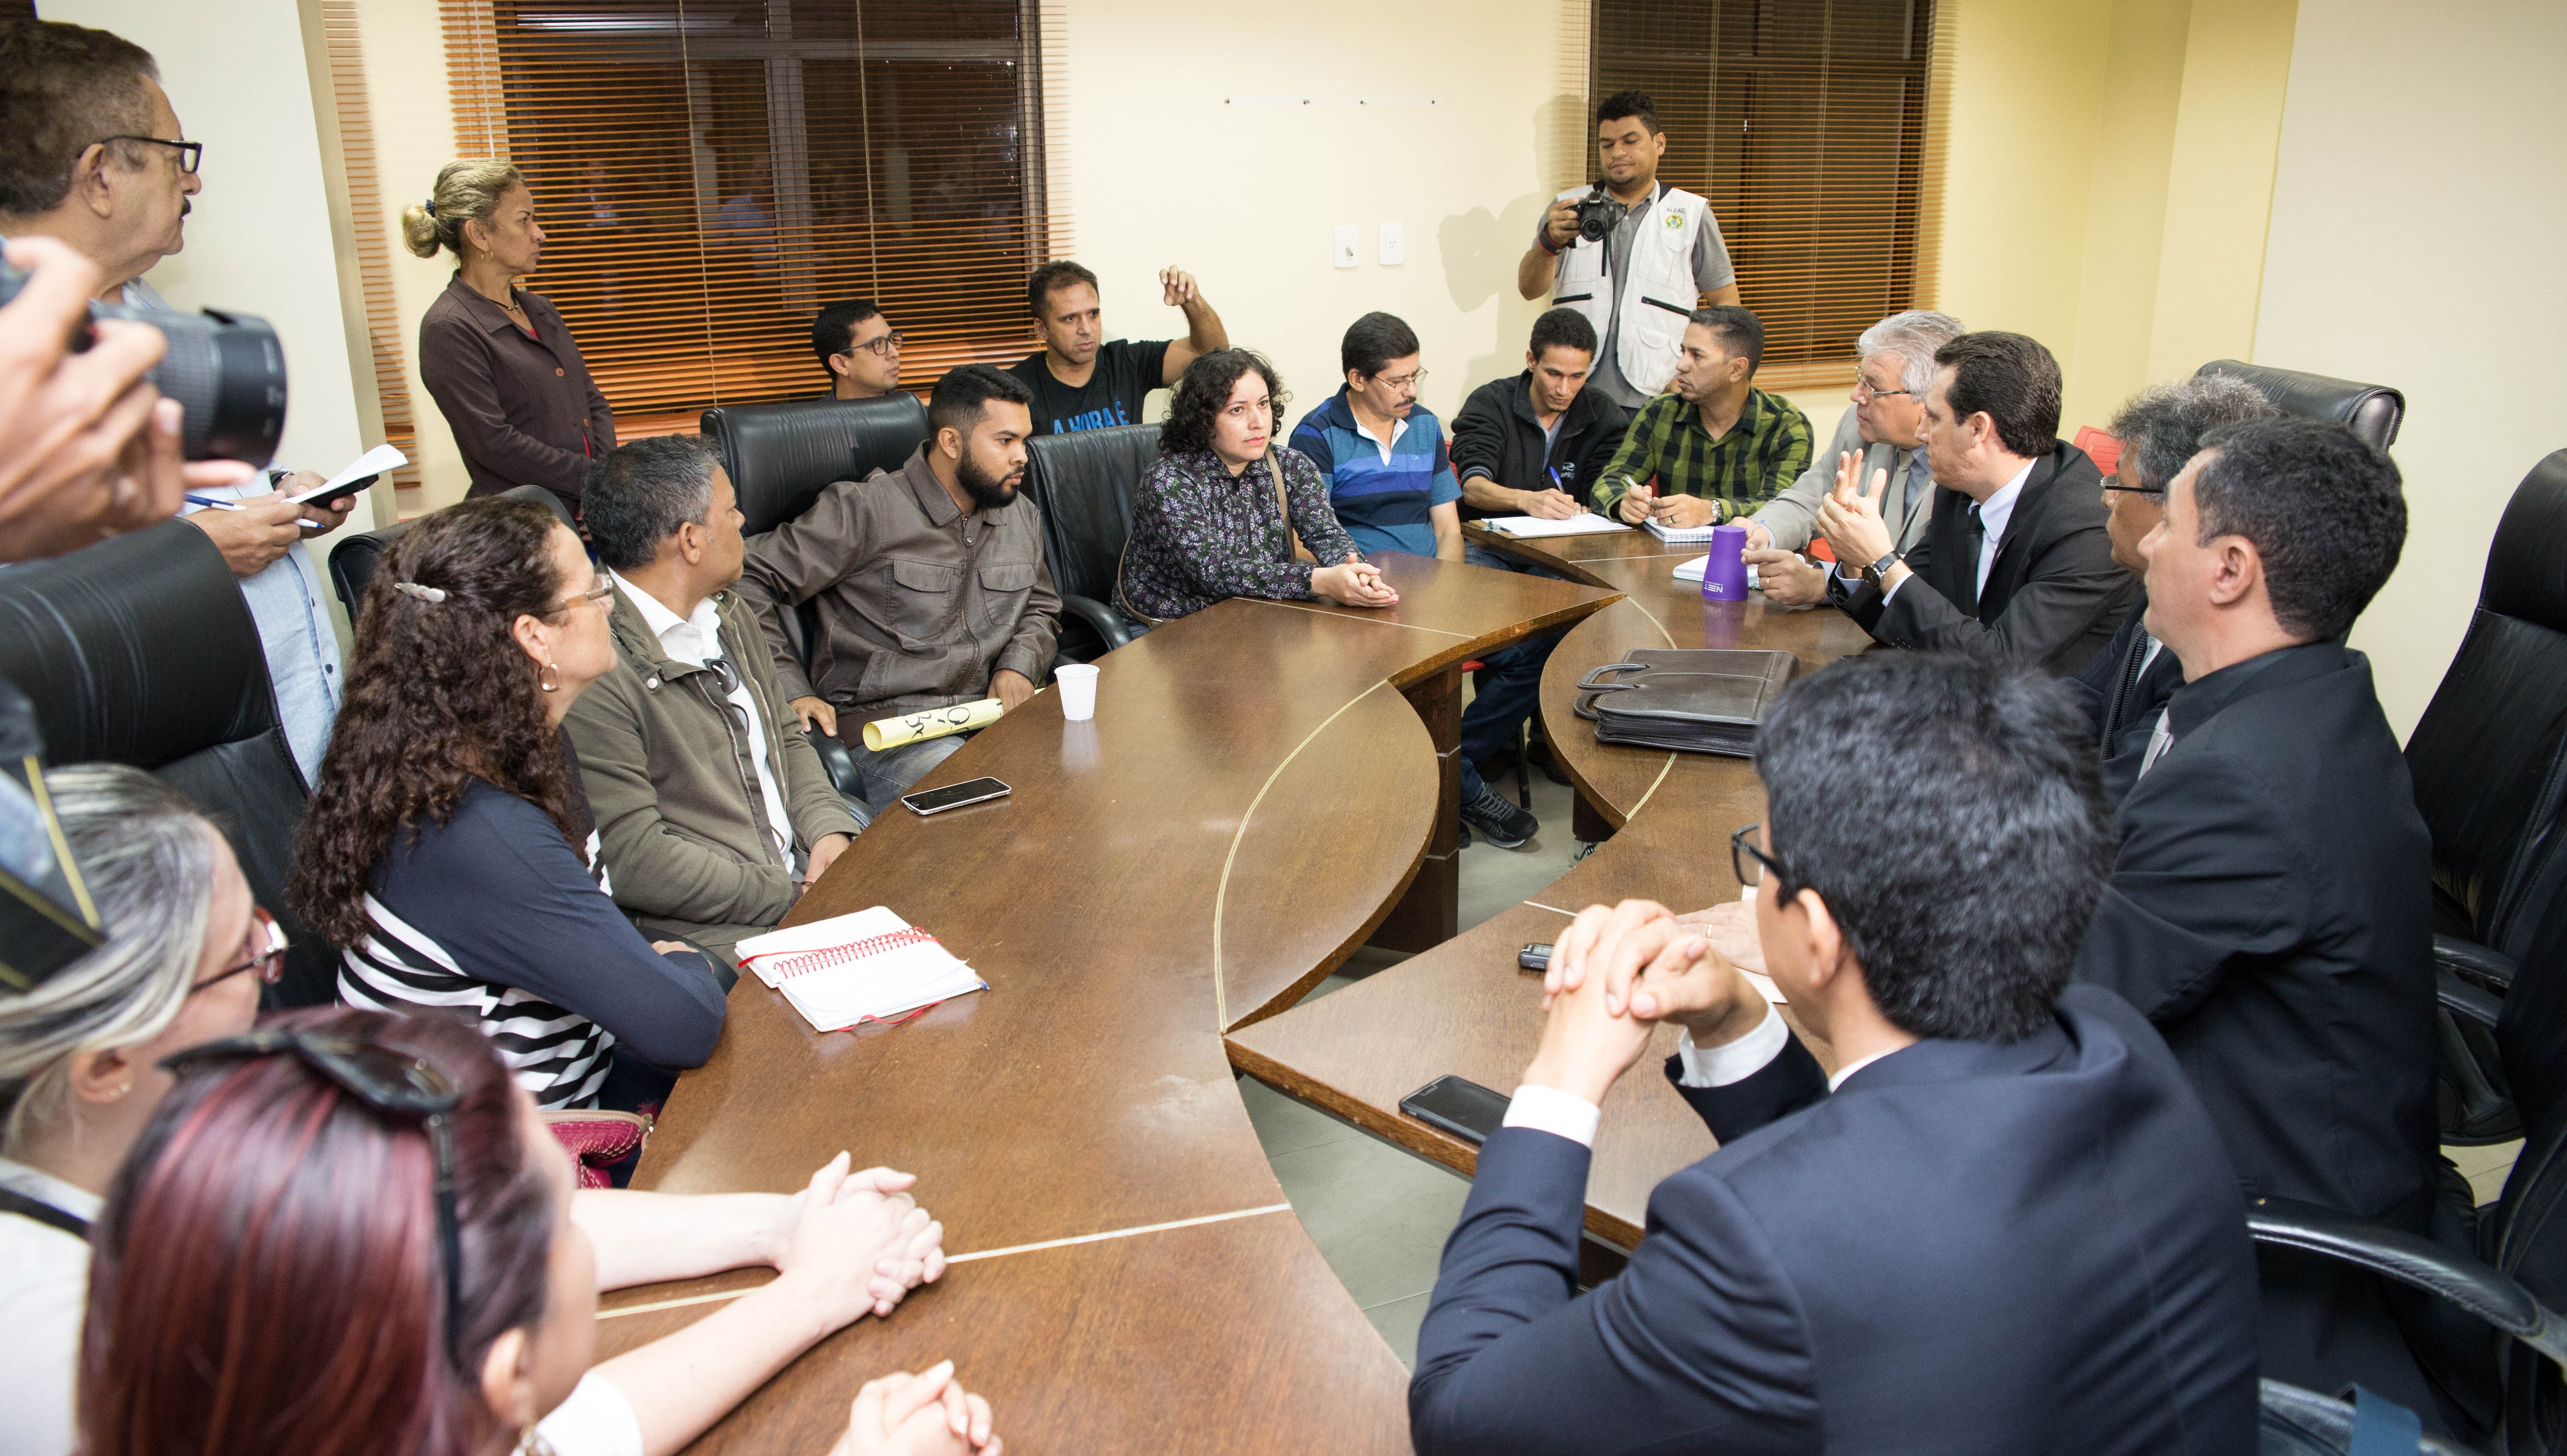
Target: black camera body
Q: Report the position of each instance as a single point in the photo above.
(1597, 215)
(227, 370)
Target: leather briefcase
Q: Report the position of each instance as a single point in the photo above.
(1706, 701)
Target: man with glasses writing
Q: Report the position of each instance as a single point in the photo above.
(859, 348)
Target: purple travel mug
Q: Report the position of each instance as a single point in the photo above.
(1724, 576)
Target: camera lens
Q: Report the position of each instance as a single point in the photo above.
(228, 370)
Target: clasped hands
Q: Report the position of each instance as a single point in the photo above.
(1618, 971)
(1357, 583)
(1849, 521)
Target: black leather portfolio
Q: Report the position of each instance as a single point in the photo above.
(1706, 701)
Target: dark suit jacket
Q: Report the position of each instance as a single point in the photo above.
(2270, 911)
(1972, 1248)
(2124, 709)
(523, 410)
(2054, 595)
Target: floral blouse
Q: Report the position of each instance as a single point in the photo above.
(1200, 534)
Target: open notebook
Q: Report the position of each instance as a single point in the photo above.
(871, 966)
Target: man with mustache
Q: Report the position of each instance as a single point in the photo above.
(930, 581)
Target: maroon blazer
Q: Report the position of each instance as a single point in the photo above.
(523, 410)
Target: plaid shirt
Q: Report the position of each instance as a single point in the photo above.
(1765, 451)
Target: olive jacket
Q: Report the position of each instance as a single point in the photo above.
(681, 820)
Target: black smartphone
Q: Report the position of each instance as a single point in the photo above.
(955, 796)
(1533, 957)
(1463, 1108)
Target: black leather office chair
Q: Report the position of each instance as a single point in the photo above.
(779, 458)
(140, 650)
(1084, 485)
(782, 456)
(2373, 412)
(2297, 1423)
(352, 561)
(2489, 763)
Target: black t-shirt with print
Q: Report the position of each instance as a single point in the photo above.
(1125, 373)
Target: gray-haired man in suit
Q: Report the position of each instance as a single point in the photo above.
(1887, 427)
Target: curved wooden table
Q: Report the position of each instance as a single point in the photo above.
(1253, 801)
(1463, 1008)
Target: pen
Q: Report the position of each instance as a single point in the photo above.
(209, 501)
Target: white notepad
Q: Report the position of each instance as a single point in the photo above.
(871, 966)
(1533, 528)
(1683, 534)
(1692, 571)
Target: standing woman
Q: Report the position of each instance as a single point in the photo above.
(497, 360)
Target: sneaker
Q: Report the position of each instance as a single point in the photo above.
(1498, 821)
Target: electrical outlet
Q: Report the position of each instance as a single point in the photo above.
(1393, 246)
(1345, 253)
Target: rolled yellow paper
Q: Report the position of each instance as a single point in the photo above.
(931, 722)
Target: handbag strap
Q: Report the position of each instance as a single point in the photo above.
(12, 1201)
(1284, 506)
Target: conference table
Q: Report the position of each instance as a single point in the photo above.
(1264, 787)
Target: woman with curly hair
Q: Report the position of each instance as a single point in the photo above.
(1210, 521)
(448, 851)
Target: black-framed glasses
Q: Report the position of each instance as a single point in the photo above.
(391, 1085)
(1751, 865)
(887, 345)
(189, 153)
(269, 963)
(2114, 482)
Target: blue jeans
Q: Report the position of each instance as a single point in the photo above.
(1508, 693)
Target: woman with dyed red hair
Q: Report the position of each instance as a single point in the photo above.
(347, 1233)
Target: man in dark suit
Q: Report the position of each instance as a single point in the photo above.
(2126, 686)
(2269, 909)
(2005, 1227)
(2014, 560)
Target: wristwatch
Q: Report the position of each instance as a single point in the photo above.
(1874, 572)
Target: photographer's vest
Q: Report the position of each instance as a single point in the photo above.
(1656, 296)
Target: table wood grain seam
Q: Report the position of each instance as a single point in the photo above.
(1370, 620)
(1221, 894)
(953, 1259)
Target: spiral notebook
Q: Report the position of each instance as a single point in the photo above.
(871, 966)
(1682, 535)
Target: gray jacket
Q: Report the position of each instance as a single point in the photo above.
(1792, 516)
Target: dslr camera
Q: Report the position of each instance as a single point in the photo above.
(1597, 215)
(227, 368)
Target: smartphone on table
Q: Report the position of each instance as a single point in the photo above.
(955, 796)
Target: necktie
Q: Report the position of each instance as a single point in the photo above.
(2130, 664)
(1974, 538)
(2158, 743)
(1918, 479)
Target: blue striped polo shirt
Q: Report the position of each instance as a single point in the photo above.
(1383, 504)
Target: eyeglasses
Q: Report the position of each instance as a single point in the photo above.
(887, 345)
(1750, 864)
(390, 1083)
(269, 964)
(1402, 380)
(1862, 390)
(605, 588)
(2114, 482)
(189, 153)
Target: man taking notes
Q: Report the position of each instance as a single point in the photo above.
(1535, 444)
(1716, 446)
(1079, 380)
(2003, 1228)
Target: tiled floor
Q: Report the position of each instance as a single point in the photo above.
(1380, 1215)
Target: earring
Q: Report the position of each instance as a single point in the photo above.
(128, 1087)
(530, 1442)
(550, 678)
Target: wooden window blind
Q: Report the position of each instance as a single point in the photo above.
(1808, 124)
(710, 177)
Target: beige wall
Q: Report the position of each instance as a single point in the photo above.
(2416, 213)
(259, 238)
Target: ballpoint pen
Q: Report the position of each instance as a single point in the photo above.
(209, 501)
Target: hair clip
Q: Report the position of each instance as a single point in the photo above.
(428, 594)
(432, 206)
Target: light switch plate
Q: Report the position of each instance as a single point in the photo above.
(1345, 253)
(1393, 244)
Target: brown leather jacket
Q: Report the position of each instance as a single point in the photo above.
(523, 410)
(919, 603)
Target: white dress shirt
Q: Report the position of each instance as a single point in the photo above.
(697, 640)
(44, 1292)
(1994, 513)
(1566, 1114)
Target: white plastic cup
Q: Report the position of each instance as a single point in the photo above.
(1077, 691)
